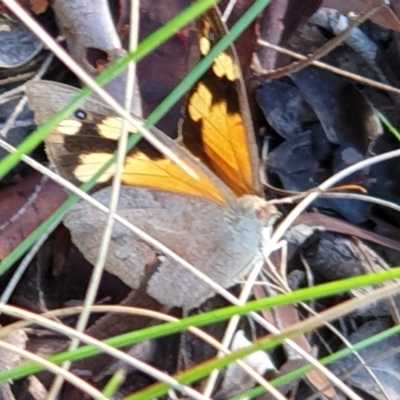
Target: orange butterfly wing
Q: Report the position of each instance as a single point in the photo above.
(217, 126)
(79, 153)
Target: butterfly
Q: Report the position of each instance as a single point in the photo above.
(214, 222)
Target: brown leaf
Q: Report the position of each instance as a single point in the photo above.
(9, 359)
(161, 71)
(24, 206)
(284, 317)
(278, 23)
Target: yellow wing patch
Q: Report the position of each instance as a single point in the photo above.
(142, 170)
(217, 129)
(163, 174)
(78, 157)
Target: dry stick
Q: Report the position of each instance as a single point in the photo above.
(113, 204)
(289, 220)
(117, 310)
(346, 343)
(275, 75)
(31, 317)
(325, 49)
(28, 257)
(335, 70)
(55, 369)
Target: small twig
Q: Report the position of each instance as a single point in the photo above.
(323, 50)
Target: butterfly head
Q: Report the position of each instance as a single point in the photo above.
(265, 212)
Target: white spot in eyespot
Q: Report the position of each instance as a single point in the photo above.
(80, 114)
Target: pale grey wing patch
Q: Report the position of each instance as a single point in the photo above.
(45, 98)
(218, 242)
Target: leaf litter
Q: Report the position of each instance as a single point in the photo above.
(316, 123)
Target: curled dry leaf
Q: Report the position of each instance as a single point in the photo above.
(93, 42)
(18, 45)
(236, 380)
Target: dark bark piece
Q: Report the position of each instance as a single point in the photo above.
(382, 358)
(278, 23)
(342, 110)
(18, 45)
(285, 108)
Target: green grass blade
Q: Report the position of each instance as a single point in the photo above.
(389, 125)
(316, 292)
(182, 88)
(298, 373)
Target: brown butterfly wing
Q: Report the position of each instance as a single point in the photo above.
(217, 126)
(83, 142)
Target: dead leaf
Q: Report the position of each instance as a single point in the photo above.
(9, 359)
(24, 206)
(383, 358)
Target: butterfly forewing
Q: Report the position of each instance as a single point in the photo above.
(83, 142)
(217, 126)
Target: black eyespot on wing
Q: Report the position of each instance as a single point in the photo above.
(80, 114)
